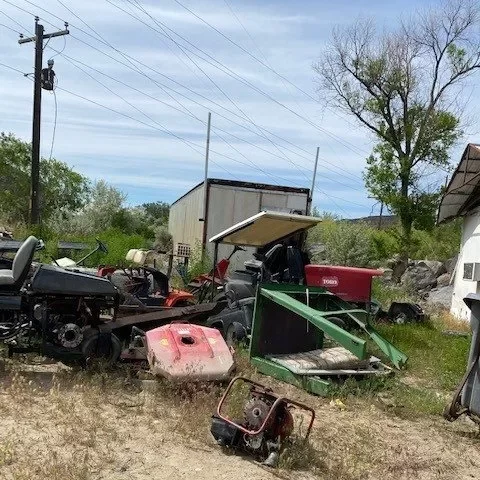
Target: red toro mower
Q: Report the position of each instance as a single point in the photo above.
(278, 236)
(354, 285)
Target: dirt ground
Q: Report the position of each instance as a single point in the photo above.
(65, 426)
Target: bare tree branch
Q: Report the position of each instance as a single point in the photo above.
(399, 85)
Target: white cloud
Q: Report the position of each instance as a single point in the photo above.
(148, 163)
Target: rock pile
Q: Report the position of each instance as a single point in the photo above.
(428, 277)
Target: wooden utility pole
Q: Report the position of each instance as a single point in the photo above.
(37, 110)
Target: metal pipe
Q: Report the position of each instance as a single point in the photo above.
(310, 198)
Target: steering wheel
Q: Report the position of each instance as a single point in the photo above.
(101, 246)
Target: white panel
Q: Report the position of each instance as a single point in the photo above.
(274, 201)
(247, 203)
(297, 202)
(183, 222)
(227, 206)
(469, 253)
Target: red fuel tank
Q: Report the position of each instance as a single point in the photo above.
(352, 284)
(182, 351)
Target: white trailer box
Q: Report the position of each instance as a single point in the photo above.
(227, 203)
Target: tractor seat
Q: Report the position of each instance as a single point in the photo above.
(6, 277)
(15, 277)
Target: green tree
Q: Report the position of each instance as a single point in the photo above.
(103, 210)
(345, 243)
(403, 86)
(157, 211)
(62, 190)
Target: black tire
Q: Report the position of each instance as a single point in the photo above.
(338, 322)
(235, 334)
(109, 355)
(400, 318)
(220, 297)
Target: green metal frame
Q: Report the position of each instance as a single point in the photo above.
(283, 295)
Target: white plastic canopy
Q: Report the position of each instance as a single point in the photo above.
(264, 228)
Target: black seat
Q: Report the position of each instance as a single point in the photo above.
(296, 266)
(13, 279)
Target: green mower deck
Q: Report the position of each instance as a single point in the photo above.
(289, 337)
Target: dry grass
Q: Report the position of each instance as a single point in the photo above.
(86, 425)
(445, 321)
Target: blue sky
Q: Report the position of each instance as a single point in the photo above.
(129, 148)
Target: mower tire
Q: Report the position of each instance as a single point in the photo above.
(235, 334)
(101, 346)
(339, 322)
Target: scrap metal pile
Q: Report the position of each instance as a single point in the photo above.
(74, 314)
(308, 325)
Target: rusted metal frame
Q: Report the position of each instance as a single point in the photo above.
(277, 402)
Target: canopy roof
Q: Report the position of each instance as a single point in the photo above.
(463, 192)
(264, 228)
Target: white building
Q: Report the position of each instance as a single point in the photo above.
(227, 203)
(462, 199)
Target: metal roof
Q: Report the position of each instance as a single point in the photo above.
(264, 228)
(252, 185)
(463, 192)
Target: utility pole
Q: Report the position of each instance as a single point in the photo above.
(310, 199)
(37, 108)
(207, 153)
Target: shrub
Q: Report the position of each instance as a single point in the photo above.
(163, 239)
(358, 244)
(200, 262)
(345, 243)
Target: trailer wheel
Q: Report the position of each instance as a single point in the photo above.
(235, 334)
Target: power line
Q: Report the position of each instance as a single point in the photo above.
(190, 144)
(344, 142)
(59, 52)
(103, 40)
(71, 60)
(137, 70)
(10, 28)
(139, 6)
(220, 66)
(162, 128)
(12, 68)
(263, 63)
(217, 152)
(245, 30)
(255, 44)
(54, 123)
(15, 21)
(191, 114)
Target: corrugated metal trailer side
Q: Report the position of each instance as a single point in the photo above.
(228, 205)
(184, 220)
(228, 202)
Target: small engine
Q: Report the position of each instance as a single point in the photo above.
(266, 425)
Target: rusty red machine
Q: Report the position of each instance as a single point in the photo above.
(267, 424)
